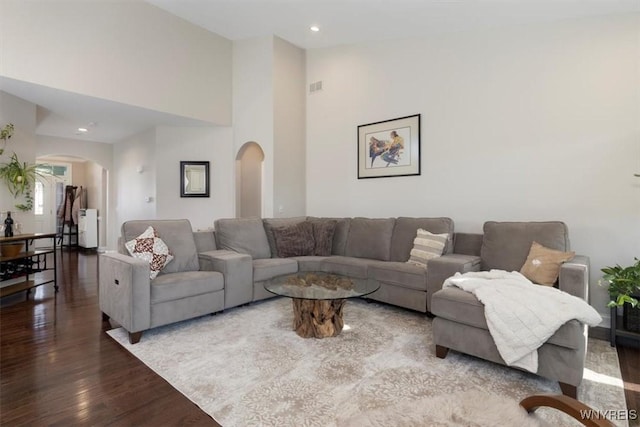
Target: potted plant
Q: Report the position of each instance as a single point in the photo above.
(624, 290)
(5, 133)
(19, 177)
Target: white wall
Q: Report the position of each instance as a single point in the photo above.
(215, 145)
(534, 123)
(269, 109)
(125, 51)
(253, 105)
(289, 129)
(78, 175)
(23, 116)
(131, 186)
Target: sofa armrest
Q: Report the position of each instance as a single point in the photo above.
(441, 268)
(574, 277)
(125, 291)
(237, 270)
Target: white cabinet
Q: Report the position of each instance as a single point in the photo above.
(88, 228)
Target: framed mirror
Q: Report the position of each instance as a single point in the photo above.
(194, 179)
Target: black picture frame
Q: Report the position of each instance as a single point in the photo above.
(389, 148)
(194, 178)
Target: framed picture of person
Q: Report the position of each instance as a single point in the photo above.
(389, 148)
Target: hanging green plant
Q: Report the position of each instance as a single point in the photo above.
(19, 176)
(5, 133)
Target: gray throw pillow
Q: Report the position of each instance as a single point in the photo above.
(294, 240)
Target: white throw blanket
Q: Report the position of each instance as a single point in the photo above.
(521, 315)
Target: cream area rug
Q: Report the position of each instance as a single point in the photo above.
(247, 367)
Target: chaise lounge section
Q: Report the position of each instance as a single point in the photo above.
(460, 322)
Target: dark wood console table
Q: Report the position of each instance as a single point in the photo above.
(26, 264)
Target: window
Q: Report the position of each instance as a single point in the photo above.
(38, 201)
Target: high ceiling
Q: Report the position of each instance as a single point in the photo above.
(340, 21)
(356, 21)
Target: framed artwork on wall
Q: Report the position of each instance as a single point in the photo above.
(389, 148)
(194, 179)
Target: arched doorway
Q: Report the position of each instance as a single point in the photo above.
(249, 163)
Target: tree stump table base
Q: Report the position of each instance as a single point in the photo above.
(317, 318)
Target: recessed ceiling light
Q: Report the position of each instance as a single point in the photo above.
(83, 130)
(314, 28)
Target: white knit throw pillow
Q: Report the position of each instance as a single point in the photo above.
(427, 246)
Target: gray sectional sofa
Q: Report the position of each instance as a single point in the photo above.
(213, 271)
(228, 268)
(365, 248)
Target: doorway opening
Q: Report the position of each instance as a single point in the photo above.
(60, 172)
(249, 180)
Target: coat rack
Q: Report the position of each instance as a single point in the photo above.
(74, 200)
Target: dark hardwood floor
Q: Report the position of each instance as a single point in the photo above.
(59, 368)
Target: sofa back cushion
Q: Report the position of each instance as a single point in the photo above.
(370, 238)
(243, 235)
(405, 231)
(270, 223)
(176, 233)
(505, 245)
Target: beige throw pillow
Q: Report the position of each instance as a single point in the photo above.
(427, 246)
(543, 264)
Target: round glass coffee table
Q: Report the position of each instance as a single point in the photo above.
(318, 300)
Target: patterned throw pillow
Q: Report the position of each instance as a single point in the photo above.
(151, 248)
(294, 240)
(427, 246)
(543, 264)
(323, 231)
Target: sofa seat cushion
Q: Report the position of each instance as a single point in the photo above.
(347, 266)
(463, 307)
(399, 274)
(174, 286)
(268, 268)
(310, 263)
